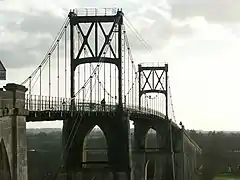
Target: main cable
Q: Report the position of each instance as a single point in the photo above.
(171, 101)
(137, 34)
(51, 49)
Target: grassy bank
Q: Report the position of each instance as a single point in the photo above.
(227, 176)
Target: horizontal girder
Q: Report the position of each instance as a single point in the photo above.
(115, 61)
(90, 19)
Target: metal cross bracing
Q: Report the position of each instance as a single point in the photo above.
(153, 79)
(91, 55)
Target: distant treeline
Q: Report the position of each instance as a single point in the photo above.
(44, 150)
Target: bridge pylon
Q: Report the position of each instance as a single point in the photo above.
(115, 126)
(153, 79)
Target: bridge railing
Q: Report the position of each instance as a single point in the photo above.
(46, 103)
(96, 11)
(144, 110)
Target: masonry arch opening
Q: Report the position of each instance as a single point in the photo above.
(95, 149)
(151, 139)
(151, 145)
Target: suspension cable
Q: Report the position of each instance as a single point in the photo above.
(51, 49)
(132, 62)
(137, 34)
(171, 101)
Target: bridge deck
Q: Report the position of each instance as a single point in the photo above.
(60, 112)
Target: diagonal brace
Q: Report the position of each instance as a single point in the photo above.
(107, 39)
(159, 80)
(147, 80)
(85, 40)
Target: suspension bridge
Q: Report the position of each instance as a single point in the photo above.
(89, 77)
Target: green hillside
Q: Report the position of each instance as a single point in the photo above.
(227, 176)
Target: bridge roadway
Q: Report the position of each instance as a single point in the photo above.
(57, 110)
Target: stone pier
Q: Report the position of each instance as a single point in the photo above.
(13, 143)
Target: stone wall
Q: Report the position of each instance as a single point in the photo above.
(13, 130)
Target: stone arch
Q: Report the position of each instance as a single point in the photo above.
(84, 132)
(115, 131)
(151, 144)
(5, 172)
(107, 125)
(142, 134)
(151, 140)
(95, 146)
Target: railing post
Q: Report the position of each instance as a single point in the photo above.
(139, 87)
(52, 104)
(30, 92)
(35, 102)
(125, 101)
(55, 103)
(40, 85)
(45, 102)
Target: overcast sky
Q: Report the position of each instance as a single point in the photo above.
(199, 39)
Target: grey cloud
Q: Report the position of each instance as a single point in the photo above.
(41, 30)
(27, 52)
(160, 31)
(42, 22)
(212, 10)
